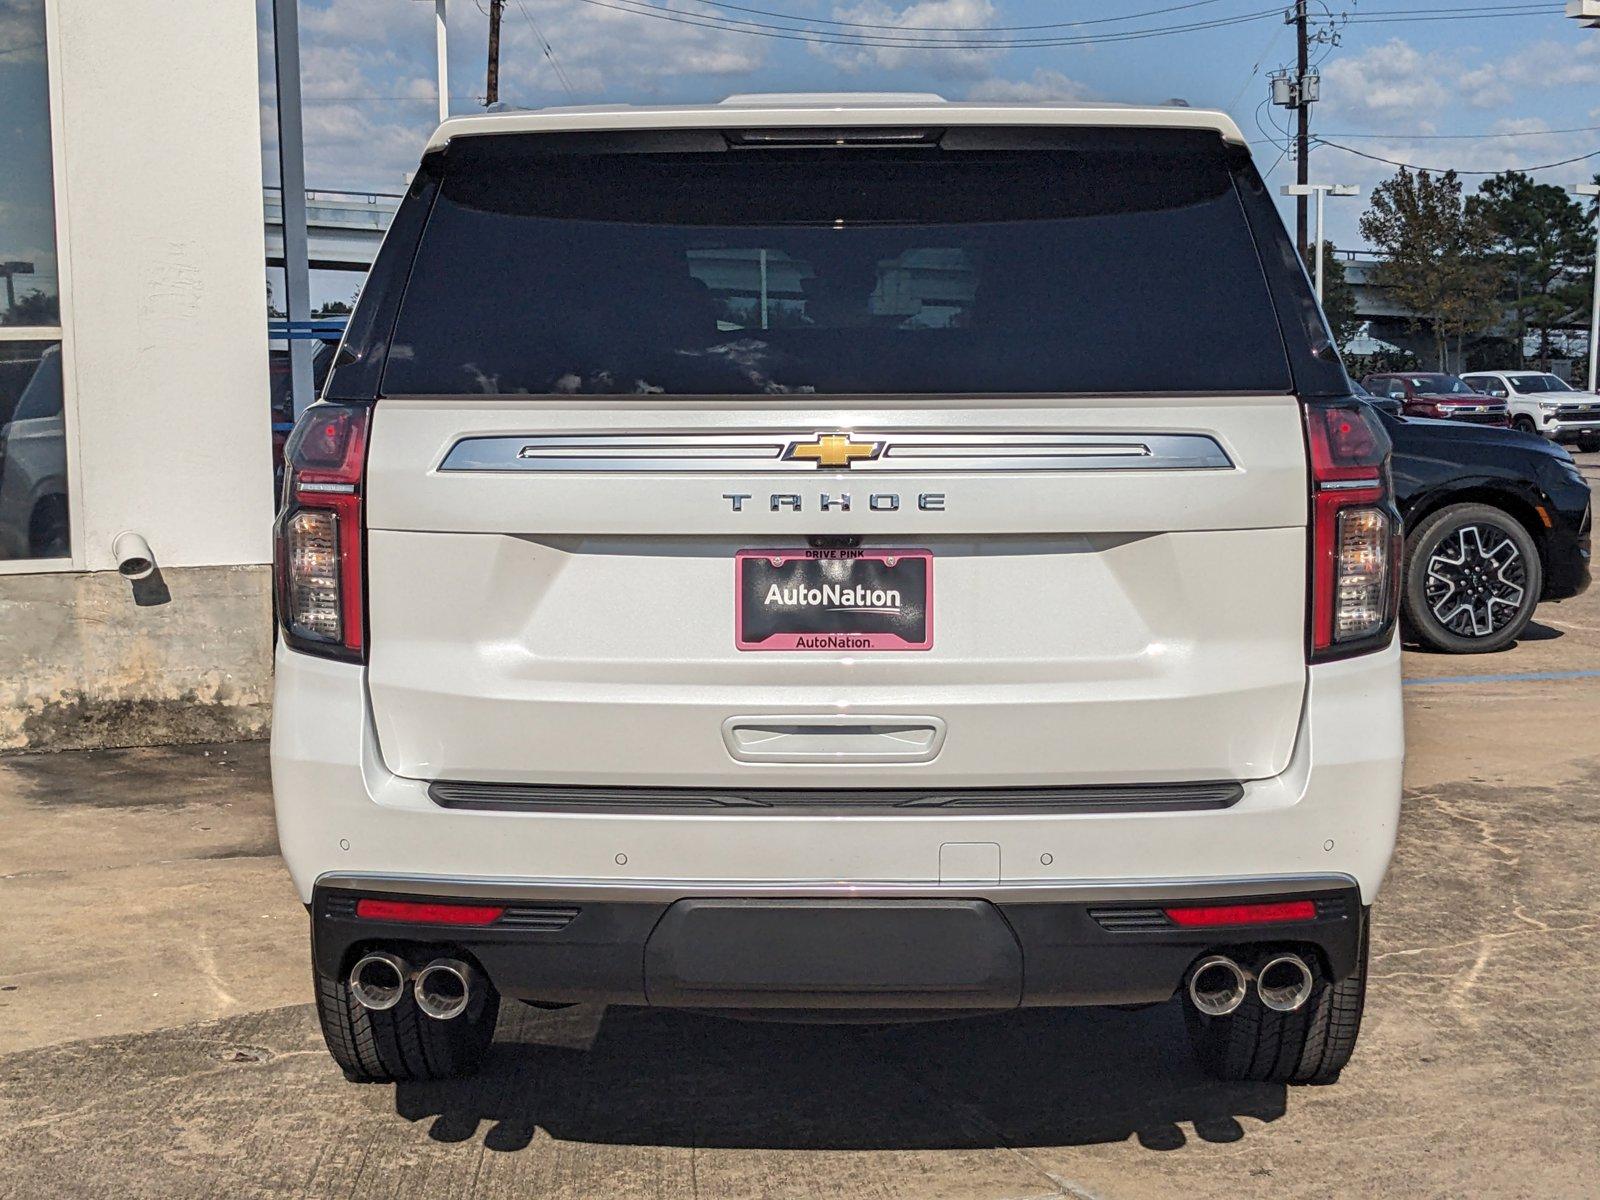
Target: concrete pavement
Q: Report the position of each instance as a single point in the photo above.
(156, 1037)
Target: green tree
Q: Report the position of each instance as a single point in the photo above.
(33, 308)
(1537, 233)
(1436, 256)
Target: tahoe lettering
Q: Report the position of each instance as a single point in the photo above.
(793, 502)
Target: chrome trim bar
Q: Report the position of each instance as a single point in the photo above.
(657, 891)
(744, 453)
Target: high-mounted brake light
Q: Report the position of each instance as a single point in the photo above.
(319, 556)
(1355, 541)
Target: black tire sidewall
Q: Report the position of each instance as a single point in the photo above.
(1420, 546)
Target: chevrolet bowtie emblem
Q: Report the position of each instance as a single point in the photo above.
(832, 450)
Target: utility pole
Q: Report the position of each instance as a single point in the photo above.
(1300, 90)
(1302, 137)
(491, 93)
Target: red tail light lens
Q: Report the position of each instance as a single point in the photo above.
(319, 552)
(1355, 541)
(1243, 914)
(425, 913)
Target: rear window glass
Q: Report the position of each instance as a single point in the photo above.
(1097, 262)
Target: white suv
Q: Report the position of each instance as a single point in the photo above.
(1540, 402)
(838, 556)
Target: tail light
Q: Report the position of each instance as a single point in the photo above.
(319, 533)
(1203, 916)
(1355, 539)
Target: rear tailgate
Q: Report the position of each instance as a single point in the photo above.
(1091, 624)
(1054, 362)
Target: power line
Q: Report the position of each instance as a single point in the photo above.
(783, 16)
(907, 41)
(549, 51)
(1256, 69)
(1434, 137)
(975, 37)
(1394, 162)
(1455, 10)
(1465, 16)
(803, 29)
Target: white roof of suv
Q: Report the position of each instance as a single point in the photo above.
(779, 109)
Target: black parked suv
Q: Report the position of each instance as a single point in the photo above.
(1496, 520)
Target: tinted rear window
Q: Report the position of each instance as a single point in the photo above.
(1093, 261)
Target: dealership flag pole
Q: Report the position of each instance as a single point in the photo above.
(292, 181)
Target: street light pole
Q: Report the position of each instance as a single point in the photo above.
(292, 181)
(441, 43)
(442, 51)
(1320, 190)
(1593, 190)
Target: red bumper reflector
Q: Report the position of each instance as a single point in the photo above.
(427, 914)
(1244, 914)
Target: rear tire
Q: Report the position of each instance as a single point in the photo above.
(1311, 1045)
(49, 531)
(400, 1044)
(1472, 579)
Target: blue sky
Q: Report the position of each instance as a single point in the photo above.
(1396, 88)
(26, 222)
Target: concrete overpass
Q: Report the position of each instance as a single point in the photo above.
(344, 228)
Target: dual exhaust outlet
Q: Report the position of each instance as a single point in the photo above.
(444, 988)
(1218, 985)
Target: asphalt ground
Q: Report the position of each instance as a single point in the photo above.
(157, 1040)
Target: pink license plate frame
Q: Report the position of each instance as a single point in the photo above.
(843, 641)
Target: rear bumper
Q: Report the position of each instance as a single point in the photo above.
(969, 951)
(1331, 815)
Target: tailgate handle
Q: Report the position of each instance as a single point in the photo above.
(833, 738)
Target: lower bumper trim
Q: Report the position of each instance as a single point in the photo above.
(941, 950)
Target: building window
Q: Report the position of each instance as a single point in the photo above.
(34, 513)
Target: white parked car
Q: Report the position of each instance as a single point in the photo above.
(753, 557)
(1540, 402)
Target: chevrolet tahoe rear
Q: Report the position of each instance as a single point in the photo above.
(838, 557)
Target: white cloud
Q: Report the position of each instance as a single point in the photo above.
(609, 54)
(367, 88)
(21, 32)
(922, 19)
(1395, 78)
(1043, 84)
(1554, 64)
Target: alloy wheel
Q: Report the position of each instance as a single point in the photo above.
(1477, 580)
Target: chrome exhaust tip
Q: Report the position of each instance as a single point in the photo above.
(444, 988)
(1217, 985)
(378, 980)
(1284, 983)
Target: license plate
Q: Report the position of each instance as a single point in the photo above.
(841, 600)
